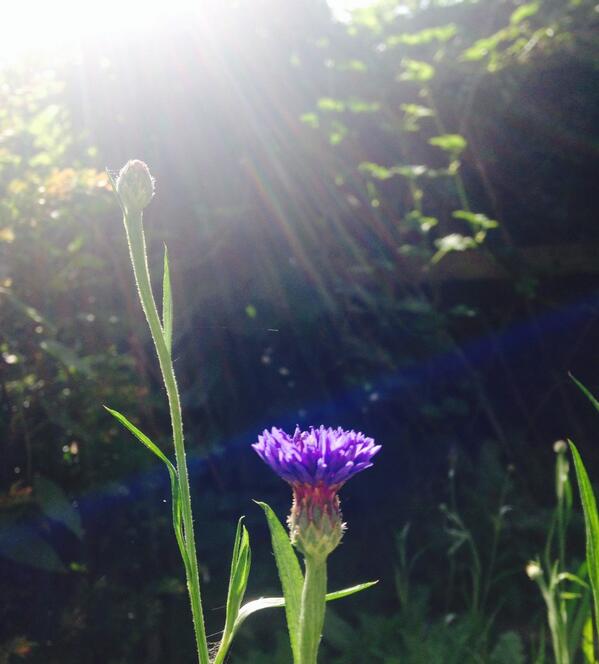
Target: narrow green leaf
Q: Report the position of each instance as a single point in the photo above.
(567, 576)
(523, 12)
(454, 143)
(277, 602)
(591, 522)
(352, 590)
(290, 574)
(167, 304)
(577, 613)
(142, 438)
(586, 392)
(475, 219)
(56, 506)
(240, 569)
(588, 646)
(174, 477)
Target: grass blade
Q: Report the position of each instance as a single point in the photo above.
(591, 523)
(586, 392)
(290, 574)
(167, 304)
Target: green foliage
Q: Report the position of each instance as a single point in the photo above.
(24, 546)
(56, 506)
(508, 650)
(591, 516)
(173, 475)
(591, 520)
(238, 579)
(290, 575)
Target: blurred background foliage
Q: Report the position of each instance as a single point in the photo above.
(385, 222)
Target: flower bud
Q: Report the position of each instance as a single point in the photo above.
(135, 185)
(533, 570)
(315, 523)
(560, 446)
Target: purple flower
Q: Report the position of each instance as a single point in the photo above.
(317, 457)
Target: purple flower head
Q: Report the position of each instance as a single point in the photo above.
(317, 457)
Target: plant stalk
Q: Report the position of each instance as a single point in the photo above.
(139, 260)
(312, 610)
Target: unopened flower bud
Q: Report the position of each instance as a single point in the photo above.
(315, 523)
(559, 447)
(533, 570)
(135, 185)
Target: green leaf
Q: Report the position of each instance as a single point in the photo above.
(568, 576)
(174, 477)
(376, 170)
(452, 242)
(56, 506)
(240, 569)
(24, 546)
(290, 574)
(277, 602)
(412, 171)
(413, 113)
(523, 12)
(475, 219)
(142, 438)
(586, 392)
(363, 106)
(508, 650)
(352, 590)
(417, 111)
(591, 523)
(311, 119)
(442, 34)
(167, 305)
(331, 105)
(588, 646)
(416, 70)
(454, 143)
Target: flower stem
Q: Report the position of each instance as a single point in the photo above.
(312, 609)
(137, 250)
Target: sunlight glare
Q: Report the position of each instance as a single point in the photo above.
(38, 25)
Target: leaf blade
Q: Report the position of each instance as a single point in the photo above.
(56, 506)
(23, 545)
(276, 602)
(588, 394)
(591, 522)
(173, 475)
(290, 574)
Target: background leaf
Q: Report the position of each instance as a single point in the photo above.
(24, 546)
(56, 505)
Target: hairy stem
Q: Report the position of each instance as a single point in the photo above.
(137, 249)
(312, 610)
